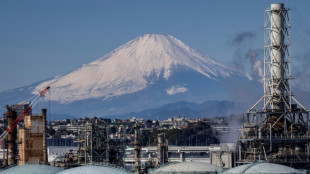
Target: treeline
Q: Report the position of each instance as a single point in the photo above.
(198, 134)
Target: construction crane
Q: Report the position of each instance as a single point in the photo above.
(36, 99)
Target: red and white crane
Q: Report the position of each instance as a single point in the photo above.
(35, 99)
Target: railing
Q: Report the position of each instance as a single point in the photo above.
(281, 137)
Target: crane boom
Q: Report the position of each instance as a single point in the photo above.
(25, 111)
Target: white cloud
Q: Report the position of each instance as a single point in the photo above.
(176, 89)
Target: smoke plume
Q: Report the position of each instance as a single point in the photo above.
(233, 123)
(256, 64)
(243, 37)
(246, 58)
(249, 61)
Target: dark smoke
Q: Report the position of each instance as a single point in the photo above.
(243, 37)
(249, 61)
(246, 58)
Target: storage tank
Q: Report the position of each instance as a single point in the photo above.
(263, 168)
(32, 169)
(95, 169)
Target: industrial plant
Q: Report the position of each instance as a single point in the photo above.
(274, 135)
(276, 128)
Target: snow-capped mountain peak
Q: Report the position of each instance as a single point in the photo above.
(128, 68)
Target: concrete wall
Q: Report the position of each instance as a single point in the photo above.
(222, 159)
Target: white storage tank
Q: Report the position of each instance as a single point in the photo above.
(263, 168)
(95, 169)
(32, 169)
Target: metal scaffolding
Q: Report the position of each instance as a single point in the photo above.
(162, 149)
(276, 128)
(96, 146)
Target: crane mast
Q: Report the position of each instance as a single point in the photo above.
(36, 99)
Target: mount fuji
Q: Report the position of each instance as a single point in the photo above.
(148, 72)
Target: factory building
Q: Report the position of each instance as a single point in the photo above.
(148, 155)
(276, 128)
(95, 144)
(32, 140)
(186, 168)
(29, 145)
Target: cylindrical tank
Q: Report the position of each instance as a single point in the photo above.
(137, 149)
(45, 160)
(260, 132)
(277, 54)
(182, 159)
(11, 139)
(162, 149)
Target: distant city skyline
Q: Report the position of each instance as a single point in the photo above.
(40, 39)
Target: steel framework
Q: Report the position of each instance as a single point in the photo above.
(95, 145)
(276, 128)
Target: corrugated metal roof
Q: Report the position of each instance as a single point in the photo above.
(188, 167)
(32, 169)
(262, 168)
(94, 170)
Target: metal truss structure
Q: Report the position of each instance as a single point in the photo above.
(276, 128)
(97, 146)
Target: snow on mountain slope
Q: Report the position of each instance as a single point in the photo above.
(131, 68)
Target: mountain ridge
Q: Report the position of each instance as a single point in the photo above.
(127, 69)
(181, 108)
(152, 71)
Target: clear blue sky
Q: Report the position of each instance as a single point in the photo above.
(40, 39)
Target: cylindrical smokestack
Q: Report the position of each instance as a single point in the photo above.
(277, 54)
(137, 149)
(162, 150)
(11, 139)
(44, 137)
